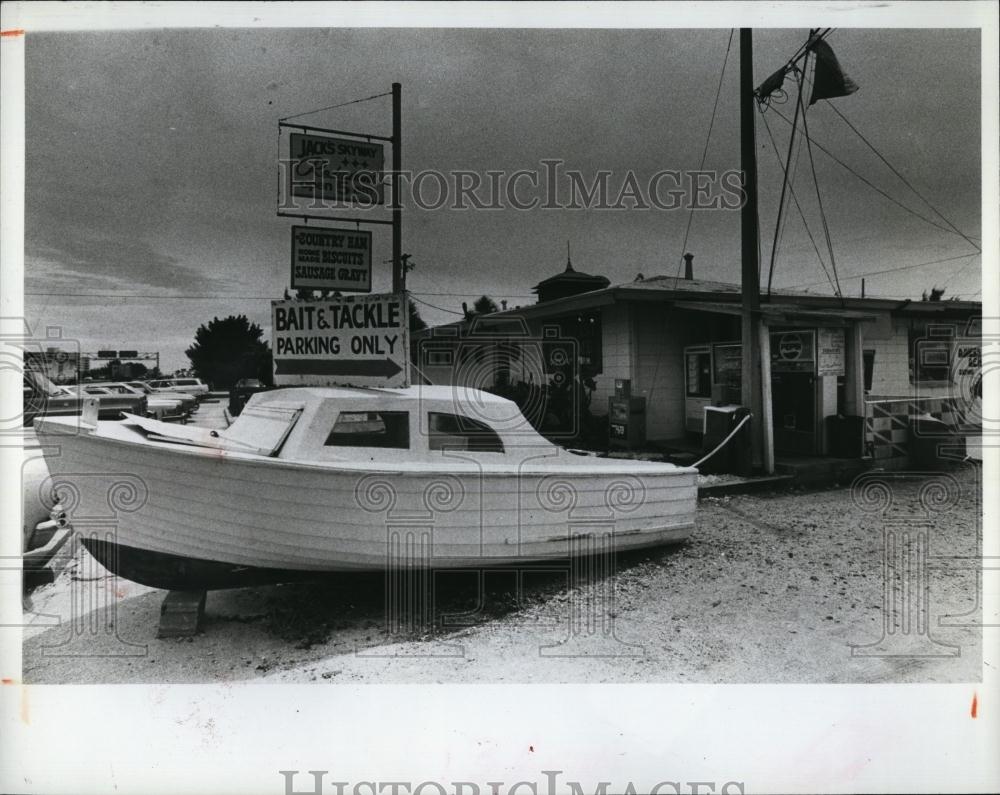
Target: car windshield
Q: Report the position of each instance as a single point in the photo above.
(41, 382)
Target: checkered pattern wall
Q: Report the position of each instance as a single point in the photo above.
(887, 422)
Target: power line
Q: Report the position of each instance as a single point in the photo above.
(708, 140)
(785, 185)
(819, 200)
(798, 206)
(958, 272)
(906, 182)
(877, 189)
(887, 270)
(339, 105)
(439, 308)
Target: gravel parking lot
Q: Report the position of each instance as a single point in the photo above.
(785, 587)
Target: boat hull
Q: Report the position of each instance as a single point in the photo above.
(172, 518)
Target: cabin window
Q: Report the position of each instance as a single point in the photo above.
(455, 432)
(371, 429)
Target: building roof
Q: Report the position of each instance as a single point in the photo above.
(571, 276)
(725, 297)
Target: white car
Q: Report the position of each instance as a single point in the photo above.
(112, 403)
(164, 406)
(188, 403)
(193, 386)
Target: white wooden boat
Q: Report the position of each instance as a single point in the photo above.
(311, 480)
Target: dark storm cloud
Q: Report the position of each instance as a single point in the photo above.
(151, 155)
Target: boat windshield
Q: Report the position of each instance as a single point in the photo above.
(262, 429)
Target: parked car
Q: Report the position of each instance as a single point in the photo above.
(114, 403)
(44, 525)
(193, 386)
(241, 392)
(164, 406)
(42, 397)
(189, 403)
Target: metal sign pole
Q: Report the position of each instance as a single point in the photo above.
(398, 275)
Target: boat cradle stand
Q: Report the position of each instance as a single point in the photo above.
(181, 614)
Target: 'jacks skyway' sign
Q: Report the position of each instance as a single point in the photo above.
(336, 170)
(351, 341)
(331, 259)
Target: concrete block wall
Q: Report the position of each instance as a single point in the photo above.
(890, 339)
(616, 354)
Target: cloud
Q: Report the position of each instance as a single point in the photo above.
(88, 262)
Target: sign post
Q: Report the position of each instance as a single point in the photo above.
(398, 271)
(360, 341)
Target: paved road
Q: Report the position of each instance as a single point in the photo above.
(771, 588)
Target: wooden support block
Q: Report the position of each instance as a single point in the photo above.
(181, 614)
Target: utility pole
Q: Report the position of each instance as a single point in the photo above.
(751, 375)
(398, 269)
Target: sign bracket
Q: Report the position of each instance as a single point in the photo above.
(309, 127)
(340, 219)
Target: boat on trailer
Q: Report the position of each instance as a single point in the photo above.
(311, 480)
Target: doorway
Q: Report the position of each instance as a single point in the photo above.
(794, 391)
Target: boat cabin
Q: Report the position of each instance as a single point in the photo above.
(332, 424)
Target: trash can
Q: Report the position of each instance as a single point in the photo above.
(933, 443)
(845, 436)
(735, 457)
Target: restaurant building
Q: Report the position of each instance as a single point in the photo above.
(673, 344)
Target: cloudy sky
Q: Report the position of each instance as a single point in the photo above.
(152, 162)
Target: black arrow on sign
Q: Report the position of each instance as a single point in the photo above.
(371, 367)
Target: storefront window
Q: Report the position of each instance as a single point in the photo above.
(585, 328)
(930, 353)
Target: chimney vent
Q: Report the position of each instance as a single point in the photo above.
(689, 267)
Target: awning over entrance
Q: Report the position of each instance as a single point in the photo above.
(781, 312)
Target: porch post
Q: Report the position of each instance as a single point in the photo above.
(767, 416)
(854, 372)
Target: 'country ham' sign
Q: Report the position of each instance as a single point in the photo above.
(349, 341)
(331, 259)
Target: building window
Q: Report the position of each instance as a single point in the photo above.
(869, 367)
(371, 429)
(439, 358)
(585, 328)
(455, 432)
(930, 353)
(698, 374)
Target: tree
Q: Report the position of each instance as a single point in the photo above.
(224, 351)
(935, 295)
(417, 323)
(484, 305)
